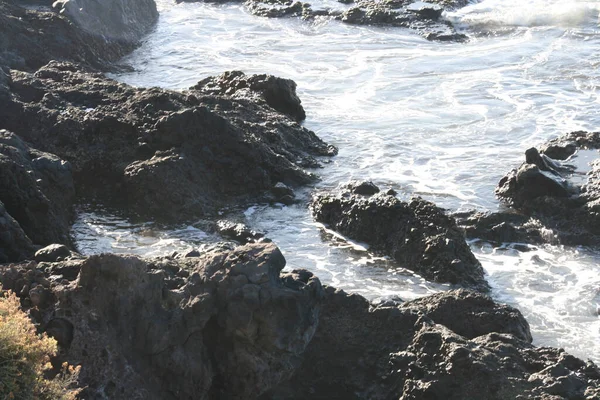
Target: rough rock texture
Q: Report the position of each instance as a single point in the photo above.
(403, 352)
(121, 21)
(417, 234)
(14, 243)
(504, 227)
(278, 93)
(159, 153)
(542, 189)
(36, 189)
(423, 17)
(230, 325)
(30, 38)
(226, 325)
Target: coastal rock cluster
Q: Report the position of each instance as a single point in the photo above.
(424, 18)
(231, 323)
(549, 202)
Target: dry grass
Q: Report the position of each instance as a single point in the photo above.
(25, 356)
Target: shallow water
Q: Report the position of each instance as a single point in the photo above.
(442, 120)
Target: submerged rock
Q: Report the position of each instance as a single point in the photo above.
(158, 153)
(36, 189)
(419, 235)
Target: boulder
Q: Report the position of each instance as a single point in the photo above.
(157, 153)
(37, 190)
(52, 253)
(81, 32)
(419, 235)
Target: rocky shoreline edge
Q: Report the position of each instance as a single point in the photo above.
(229, 323)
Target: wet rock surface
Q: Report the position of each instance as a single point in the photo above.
(158, 153)
(37, 193)
(31, 37)
(425, 18)
(550, 206)
(417, 234)
(361, 352)
(225, 325)
(230, 324)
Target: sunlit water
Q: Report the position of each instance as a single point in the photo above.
(442, 120)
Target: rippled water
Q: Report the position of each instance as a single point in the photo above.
(442, 120)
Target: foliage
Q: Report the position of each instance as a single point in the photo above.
(25, 357)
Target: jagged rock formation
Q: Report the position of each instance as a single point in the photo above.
(417, 234)
(231, 325)
(36, 193)
(549, 206)
(158, 153)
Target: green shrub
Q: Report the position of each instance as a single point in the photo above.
(25, 356)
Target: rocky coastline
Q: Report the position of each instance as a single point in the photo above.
(230, 323)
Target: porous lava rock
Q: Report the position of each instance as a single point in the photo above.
(224, 325)
(157, 153)
(418, 234)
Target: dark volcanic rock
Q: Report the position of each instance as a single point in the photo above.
(237, 231)
(230, 325)
(232, 329)
(359, 352)
(31, 38)
(120, 21)
(159, 153)
(542, 191)
(14, 243)
(503, 227)
(424, 18)
(52, 253)
(417, 234)
(471, 314)
(36, 189)
(278, 93)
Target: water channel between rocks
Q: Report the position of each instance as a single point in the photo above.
(441, 120)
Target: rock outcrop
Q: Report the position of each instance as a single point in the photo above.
(404, 352)
(425, 18)
(549, 205)
(226, 325)
(37, 193)
(97, 33)
(164, 154)
(231, 325)
(419, 235)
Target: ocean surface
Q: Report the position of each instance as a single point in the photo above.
(444, 121)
